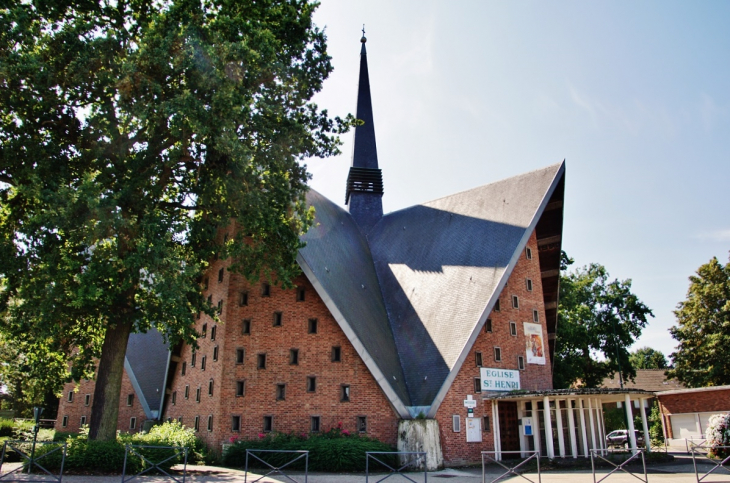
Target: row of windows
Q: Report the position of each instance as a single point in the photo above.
(265, 290)
(479, 360)
(315, 423)
(277, 321)
(64, 422)
(512, 325)
(456, 423)
(87, 398)
(516, 302)
(280, 390)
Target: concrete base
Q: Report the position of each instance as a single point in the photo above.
(422, 435)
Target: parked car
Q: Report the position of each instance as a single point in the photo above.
(620, 438)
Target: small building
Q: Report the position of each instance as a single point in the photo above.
(686, 412)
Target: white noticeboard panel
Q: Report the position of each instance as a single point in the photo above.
(527, 426)
(473, 430)
(499, 379)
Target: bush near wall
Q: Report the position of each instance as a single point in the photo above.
(333, 451)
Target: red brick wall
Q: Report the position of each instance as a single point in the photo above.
(693, 402)
(77, 408)
(291, 415)
(535, 377)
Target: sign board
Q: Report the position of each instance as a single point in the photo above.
(473, 430)
(499, 379)
(527, 426)
(470, 403)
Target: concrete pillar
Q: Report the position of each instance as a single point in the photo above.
(536, 427)
(583, 428)
(497, 440)
(647, 440)
(630, 421)
(599, 425)
(603, 425)
(571, 429)
(559, 421)
(593, 426)
(523, 438)
(548, 428)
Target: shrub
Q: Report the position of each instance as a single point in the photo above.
(333, 451)
(7, 426)
(718, 434)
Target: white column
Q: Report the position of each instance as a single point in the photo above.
(603, 425)
(495, 421)
(647, 440)
(599, 425)
(630, 421)
(536, 427)
(548, 428)
(583, 428)
(593, 426)
(559, 421)
(571, 429)
(520, 428)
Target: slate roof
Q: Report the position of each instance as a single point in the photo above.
(646, 379)
(413, 294)
(146, 363)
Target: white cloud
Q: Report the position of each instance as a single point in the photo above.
(721, 235)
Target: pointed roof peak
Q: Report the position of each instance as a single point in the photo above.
(363, 40)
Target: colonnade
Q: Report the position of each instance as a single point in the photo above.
(586, 432)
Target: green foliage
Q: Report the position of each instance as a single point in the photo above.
(332, 451)
(615, 418)
(703, 329)
(596, 316)
(132, 134)
(7, 426)
(656, 431)
(648, 358)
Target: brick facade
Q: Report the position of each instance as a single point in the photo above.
(534, 377)
(690, 401)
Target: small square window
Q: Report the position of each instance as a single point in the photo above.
(362, 424)
(179, 419)
(130, 399)
(277, 319)
(515, 302)
(196, 424)
(300, 294)
(187, 391)
(336, 354)
(268, 424)
(184, 368)
(210, 299)
(496, 306)
(132, 423)
(314, 424)
(173, 398)
(235, 423)
(280, 392)
(192, 359)
(220, 275)
(240, 388)
(204, 331)
(497, 354)
(528, 282)
(345, 393)
(213, 332)
(477, 385)
(485, 424)
(239, 355)
(220, 306)
(205, 283)
(197, 394)
(210, 387)
(197, 316)
(513, 329)
(70, 396)
(64, 421)
(87, 399)
(83, 420)
(521, 363)
(456, 423)
(535, 316)
(210, 422)
(243, 299)
(312, 326)
(261, 361)
(478, 359)
(293, 357)
(311, 384)
(265, 290)
(246, 327)
(215, 353)
(488, 326)
(202, 363)
(528, 253)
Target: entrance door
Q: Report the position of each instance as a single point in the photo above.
(509, 430)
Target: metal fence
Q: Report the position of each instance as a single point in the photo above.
(174, 457)
(411, 458)
(512, 469)
(706, 452)
(278, 469)
(690, 442)
(621, 466)
(26, 450)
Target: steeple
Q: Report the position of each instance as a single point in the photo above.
(365, 181)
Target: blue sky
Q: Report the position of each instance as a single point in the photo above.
(635, 96)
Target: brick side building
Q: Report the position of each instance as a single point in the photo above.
(395, 317)
(686, 412)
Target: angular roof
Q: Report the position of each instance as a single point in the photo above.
(413, 294)
(647, 379)
(146, 362)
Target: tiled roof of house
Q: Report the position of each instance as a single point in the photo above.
(646, 379)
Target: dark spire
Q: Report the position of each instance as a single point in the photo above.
(365, 181)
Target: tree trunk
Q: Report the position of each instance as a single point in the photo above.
(105, 408)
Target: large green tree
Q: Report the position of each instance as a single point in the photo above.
(647, 358)
(132, 134)
(703, 328)
(598, 320)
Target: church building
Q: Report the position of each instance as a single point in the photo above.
(430, 313)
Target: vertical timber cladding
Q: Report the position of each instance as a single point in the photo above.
(456, 449)
(261, 397)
